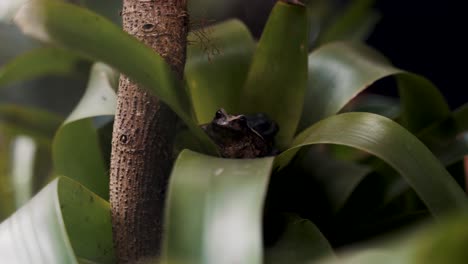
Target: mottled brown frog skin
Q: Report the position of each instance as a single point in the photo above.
(235, 138)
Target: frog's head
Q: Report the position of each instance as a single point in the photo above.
(223, 120)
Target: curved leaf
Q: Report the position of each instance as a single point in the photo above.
(441, 243)
(393, 144)
(339, 71)
(278, 76)
(300, 243)
(214, 209)
(373, 103)
(39, 62)
(76, 150)
(64, 223)
(347, 175)
(448, 139)
(433, 243)
(100, 98)
(217, 67)
(25, 161)
(36, 123)
(354, 23)
(96, 37)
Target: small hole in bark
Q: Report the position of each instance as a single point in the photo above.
(123, 139)
(147, 27)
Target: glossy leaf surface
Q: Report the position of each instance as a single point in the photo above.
(76, 149)
(340, 71)
(64, 223)
(39, 62)
(278, 76)
(301, 242)
(25, 161)
(218, 61)
(433, 243)
(97, 38)
(390, 142)
(354, 23)
(214, 209)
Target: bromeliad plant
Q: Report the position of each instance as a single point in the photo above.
(216, 206)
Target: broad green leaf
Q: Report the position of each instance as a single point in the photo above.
(217, 66)
(300, 243)
(214, 209)
(107, 8)
(374, 103)
(433, 243)
(447, 129)
(393, 144)
(340, 71)
(39, 62)
(336, 178)
(17, 171)
(443, 242)
(76, 149)
(447, 139)
(354, 23)
(25, 120)
(97, 38)
(64, 223)
(278, 76)
(100, 98)
(25, 160)
(366, 256)
(422, 104)
(76, 154)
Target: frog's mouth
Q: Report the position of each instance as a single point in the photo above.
(231, 119)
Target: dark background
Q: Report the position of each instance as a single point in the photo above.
(425, 37)
(428, 38)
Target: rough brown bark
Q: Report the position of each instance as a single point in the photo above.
(143, 135)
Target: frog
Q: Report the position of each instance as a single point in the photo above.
(242, 136)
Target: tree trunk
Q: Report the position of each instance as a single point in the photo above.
(143, 135)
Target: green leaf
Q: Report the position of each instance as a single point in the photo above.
(431, 243)
(64, 223)
(97, 38)
(340, 71)
(278, 76)
(366, 256)
(421, 102)
(441, 243)
(76, 149)
(354, 23)
(300, 243)
(447, 139)
(25, 120)
(373, 103)
(100, 98)
(17, 172)
(214, 209)
(217, 67)
(347, 175)
(25, 144)
(76, 154)
(39, 62)
(393, 144)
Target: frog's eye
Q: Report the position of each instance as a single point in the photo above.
(219, 114)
